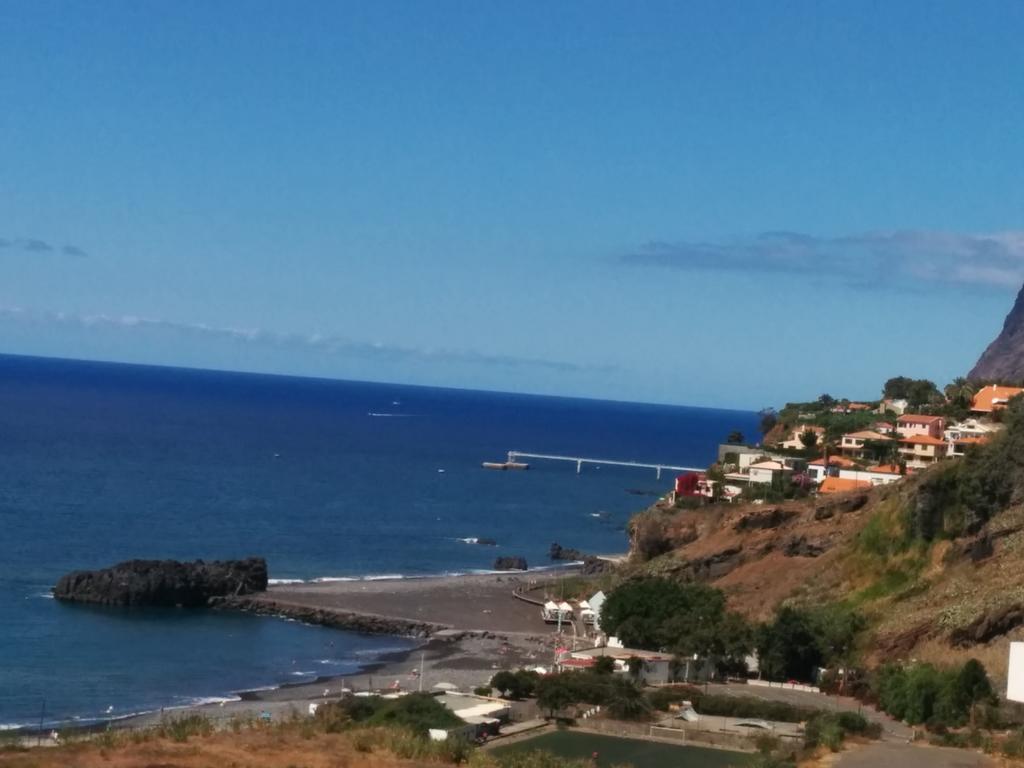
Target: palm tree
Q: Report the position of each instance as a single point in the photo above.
(960, 391)
(626, 700)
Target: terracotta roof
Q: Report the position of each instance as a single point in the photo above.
(972, 440)
(868, 435)
(917, 418)
(922, 440)
(841, 484)
(888, 469)
(583, 663)
(859, 407)
(834, 461)
(993, 398)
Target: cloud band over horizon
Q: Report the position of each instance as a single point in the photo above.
(994, 260)
(330, 343)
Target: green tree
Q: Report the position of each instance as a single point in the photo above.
(554, 693)
(809, 439)
(626, 700)
(788, 647)
(897, 388)
(656, 613)
(769, 418)
(604, 665)
(735, 438)
(826, 400)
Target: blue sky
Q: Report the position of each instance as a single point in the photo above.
(726, 204)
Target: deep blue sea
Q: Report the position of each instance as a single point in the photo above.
(100, 463)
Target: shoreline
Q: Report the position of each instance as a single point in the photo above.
(483, 628)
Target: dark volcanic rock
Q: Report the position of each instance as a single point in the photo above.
(840, 505)
(510, 563)
(558, 552)
(164, 582)
(769, 518)
(988, 626)
(329, 617)
(1004, 358)
(801, 546)
(592, 566)
(714, 566)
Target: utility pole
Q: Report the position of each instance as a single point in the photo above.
(422, 656)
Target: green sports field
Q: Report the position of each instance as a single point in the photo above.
(612, 750)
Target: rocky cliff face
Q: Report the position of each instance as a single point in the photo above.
(164, 582)
(1004, 358)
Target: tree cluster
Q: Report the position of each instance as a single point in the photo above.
(684, 619)
(687, 619)
(623, 697)
(925, 694)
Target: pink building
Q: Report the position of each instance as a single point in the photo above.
(914, 425)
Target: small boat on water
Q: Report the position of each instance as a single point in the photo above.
(505, 465)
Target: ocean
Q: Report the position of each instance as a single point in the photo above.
(325, 479)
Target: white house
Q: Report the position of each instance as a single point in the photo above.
(768, 472)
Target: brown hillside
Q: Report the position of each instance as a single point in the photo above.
(941, 601)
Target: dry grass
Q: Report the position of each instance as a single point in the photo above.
(277, 747)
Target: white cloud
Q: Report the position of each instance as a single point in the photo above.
(896, 259)
(325, 343)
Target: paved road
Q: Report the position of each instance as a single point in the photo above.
(892, 730)
(880, 755)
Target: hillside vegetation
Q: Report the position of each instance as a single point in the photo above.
(933, 562)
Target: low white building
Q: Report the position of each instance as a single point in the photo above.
(656, 667)
(768, 472)
(873, 475)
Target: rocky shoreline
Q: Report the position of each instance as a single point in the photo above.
(163, 583)
(368, 623)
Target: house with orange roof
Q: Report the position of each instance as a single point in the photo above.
(842, 485)
(961, 445)
(886, 469)
(919, 451)
(818, 469)
(858, 444)
(993, 398)
(912, 424)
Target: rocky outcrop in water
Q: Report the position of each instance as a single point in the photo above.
(164, 583)
(558, 552)
(510, 563)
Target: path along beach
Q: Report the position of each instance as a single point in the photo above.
(471, 626)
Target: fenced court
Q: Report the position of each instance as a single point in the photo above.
(614, 750)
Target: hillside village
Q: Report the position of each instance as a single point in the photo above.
(833, 446)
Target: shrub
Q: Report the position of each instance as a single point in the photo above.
(181, 728)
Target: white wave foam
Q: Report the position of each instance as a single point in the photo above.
(329, 579)
(43, 595)
(10, 726)
(285, 581)
(302, 674)
(383, 576)
(201, 701)
(387, 415)
(470, 540)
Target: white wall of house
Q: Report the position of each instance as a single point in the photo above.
(875, 478)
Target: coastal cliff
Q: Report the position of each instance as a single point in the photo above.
(932, 563)
(1003, 360)
(164, 583)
